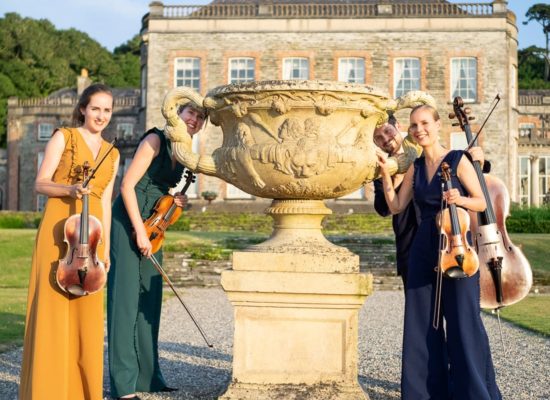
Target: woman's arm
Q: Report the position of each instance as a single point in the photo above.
(106, 201)
(468, 178)
(52, 155)
(148, 149)
(396, 201)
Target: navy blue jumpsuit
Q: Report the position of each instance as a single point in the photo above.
(453, 362)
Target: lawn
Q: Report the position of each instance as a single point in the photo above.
(16, 252)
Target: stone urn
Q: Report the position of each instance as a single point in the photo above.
(296, 296)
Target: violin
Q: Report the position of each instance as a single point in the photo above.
(456, 259)
(165, 213)
(81, 272)
(505, 275)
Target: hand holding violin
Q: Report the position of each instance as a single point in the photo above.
(453, 196)
(76, 191)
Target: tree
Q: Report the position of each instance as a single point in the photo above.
(541, 13)
(36, 59)
(531, 68)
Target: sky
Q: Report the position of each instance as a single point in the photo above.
(113, 22)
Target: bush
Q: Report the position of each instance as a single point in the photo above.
(529, 220)
(19, 219)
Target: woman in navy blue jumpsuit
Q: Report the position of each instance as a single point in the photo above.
(452, 362)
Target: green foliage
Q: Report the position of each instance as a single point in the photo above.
(529, 220)
(182, 224)
(19, 220)
(531, 68)
(36, 59)
(541, 13)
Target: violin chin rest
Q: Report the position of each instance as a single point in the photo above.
(455, 273)
(76, 290)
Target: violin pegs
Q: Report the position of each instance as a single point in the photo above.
(455, 124)
(467, 110)
(471, 118)
(452, 115)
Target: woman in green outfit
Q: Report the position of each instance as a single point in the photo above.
(134, 291)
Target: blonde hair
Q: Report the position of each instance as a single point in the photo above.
(429, 108)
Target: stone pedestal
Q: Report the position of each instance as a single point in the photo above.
(296, 299)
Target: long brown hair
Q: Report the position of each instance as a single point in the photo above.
(84, 100)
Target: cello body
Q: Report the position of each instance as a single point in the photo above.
(505, 273)
(492, 241)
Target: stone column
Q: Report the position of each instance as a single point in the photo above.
(534, 180)
(296, 299)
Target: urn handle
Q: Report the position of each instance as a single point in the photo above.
(176, 130)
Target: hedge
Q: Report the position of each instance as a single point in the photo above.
(521, 220)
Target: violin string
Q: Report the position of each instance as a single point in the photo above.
(439, 278)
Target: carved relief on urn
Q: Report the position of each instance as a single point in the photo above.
(291, 139)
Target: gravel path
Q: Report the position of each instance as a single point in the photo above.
(203, 373)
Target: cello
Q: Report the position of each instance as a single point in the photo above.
(505, 274)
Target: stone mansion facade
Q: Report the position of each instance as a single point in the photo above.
(448, 50)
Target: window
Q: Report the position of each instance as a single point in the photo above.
(40, 198)
(526, 130)
(524, 180)
(351, 70)
(41, 202)
(234, 192)
(296, 68)
(45, 131)
(544, 179)
(188, 72)
(359, 194)
(241, 69)
(406, 75)
(125, 130)
(143, 86)
(458, 141)
(464, 78)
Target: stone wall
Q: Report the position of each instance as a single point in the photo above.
(378, 40)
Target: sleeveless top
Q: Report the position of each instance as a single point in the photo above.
(159, 177)
(73, 157)
(427, 194)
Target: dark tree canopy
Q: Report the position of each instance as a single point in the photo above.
(37, 59)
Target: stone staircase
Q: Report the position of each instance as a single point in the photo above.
(376, 256)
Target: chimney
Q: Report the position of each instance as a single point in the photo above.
(82, 82)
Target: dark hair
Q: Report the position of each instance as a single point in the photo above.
(392, 120)
(84, 100)
(429, 108)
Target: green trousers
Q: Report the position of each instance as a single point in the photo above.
(134, 300)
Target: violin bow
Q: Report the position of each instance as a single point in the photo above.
(87, 181)
(169, 282)
(493, 106)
